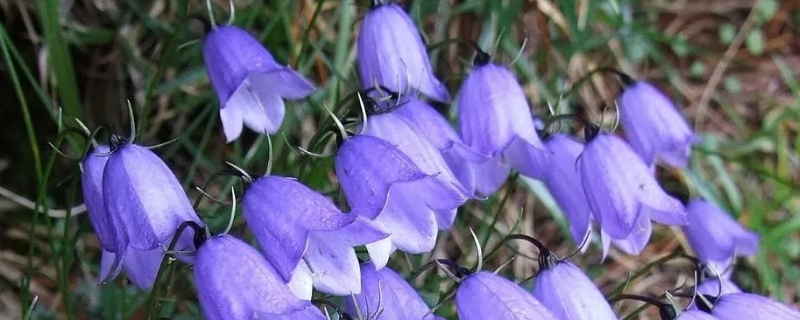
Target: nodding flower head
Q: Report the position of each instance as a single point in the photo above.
(292, 223)
(621, 190)
(654, 126)
(400, 133)
(386, 295)
(144, 201)
(735, 306)
(140, 266)
(391, 54)
(368, 168)
(248, 81)
(495, 120)
(485, 295)
(480, 175)
(569, 293)
(562, 180)
(715, 235)
(235, 282)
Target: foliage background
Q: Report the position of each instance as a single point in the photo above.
(731, 64)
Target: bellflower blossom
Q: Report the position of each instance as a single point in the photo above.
(384, 288)
(495, 119)
(715, 235)
(654, 126)
(484, 295)
(144, 201)
(383, 184)
(622, 191)
(292, 223)
(400, 133)
(567, 292)
(564, 183)
(235, 282)
(391, 54)
(478, 174)
(140, 266)
(735, 306)
(248, 81)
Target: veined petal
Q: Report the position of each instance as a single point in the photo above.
(232, 122)
(391, 54)
(570, 295)
(634, 243)
(428, 123)
(92, 188)
(367, 167)
(410, 222)
(144, 195)
(141, 266)
(531, 161)
(385, 288)
(564, 183)
(302, 282)
(360, 232)
(484, 295)
(400, 133)
(380, 251)
(334, 266)
(493, 109)
(611, 199)
(262, 109)
(244, 286)
(284, 82)
(715, 235)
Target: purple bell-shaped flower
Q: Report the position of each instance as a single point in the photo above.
(654, 126)
(234, 282)
(562, 180)
(391, 54)
(622, 191)
(736, 306)
(481, 176)
(140, 266)
(400, 133)
(484, 295)
(92, 187)
(387, 290)
(715, 235)
(293, 223)
(248, 81)
(495, 119)
(568, 293)
(383, 184)
(144, 201)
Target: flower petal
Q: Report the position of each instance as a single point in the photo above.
(284, 82)
(569, 294)
(92, 188)
(232, 122)
(737, 306)
(385, 288)
(715, 235)
(302, 283)
(334, 265)
(563, 180)
(484, 295)
(262, 108)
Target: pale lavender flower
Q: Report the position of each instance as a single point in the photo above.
(293, 223)
(484, 295)
(568, 293)
(234, 282)
(495, 120)
(385, 295)
(737, 306)
(391, 54)
(715, 235)
(140, 266)
(654, 126)
(248, 81)
(564, 183)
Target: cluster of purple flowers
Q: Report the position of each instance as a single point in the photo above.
(404, 175)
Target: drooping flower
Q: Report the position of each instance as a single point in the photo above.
(480, 175)
(391, 54)
(621, 189)
(292, 223)
(92, 168)
(654, 126)
(383, 184)
(715, 235)
(564, 183)
(144, 201)
(140, 266)
(568, 293)
(387, 290)
(484, 295)
(399, 132)
(736, 306)
(248, 81)
(634, 243)
(495, 119)
(234, 282)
